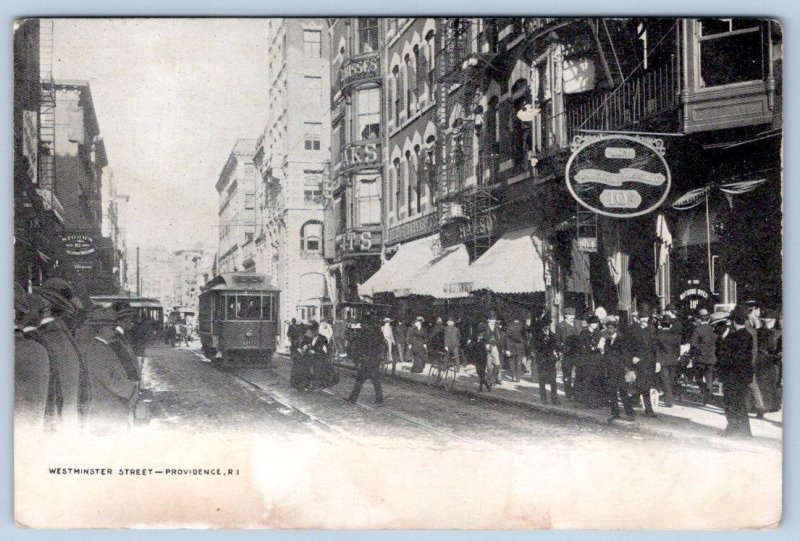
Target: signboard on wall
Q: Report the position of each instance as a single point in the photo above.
(78, 244)
(618, 175)
(415, 228)
(361, 155)
(359, 69)
(357, 242)
(465, 229)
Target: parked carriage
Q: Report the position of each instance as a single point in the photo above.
(238, 318)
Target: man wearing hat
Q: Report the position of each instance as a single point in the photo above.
(703, 345)
(617, 364)
(590, 386)
(417, 339)
(567, 332)
(112, 367)
(668, 352)
(494, 343)
(736, 372)
(31, 362)
(452, 342)
(388, 338)
(515, 342)
(366, 347)
(54, 334)
(642, 346)
(768, 365)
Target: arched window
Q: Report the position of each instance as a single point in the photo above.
(311, 236)
(417, 177)
(430, 157)
(398, 95)
(390, 192)
(398, 193)
(412, 184)
(431, 63)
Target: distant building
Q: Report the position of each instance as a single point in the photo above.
(237, 213)
(292, 162)
(156, 274)
(114, 205)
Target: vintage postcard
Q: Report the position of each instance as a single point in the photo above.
(398, 273)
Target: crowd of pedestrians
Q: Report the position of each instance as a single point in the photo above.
(650, 359)
(76, 367)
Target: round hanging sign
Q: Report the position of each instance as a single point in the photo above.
(618, 175)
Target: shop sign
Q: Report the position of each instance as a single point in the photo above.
(78, 244)
(618, 175)
(358, 242)
(694, 292)
(458, 231)
(30, 143)
(360, 69)
(415, 228)
(587, 244)
(452, 288)
(361, 155)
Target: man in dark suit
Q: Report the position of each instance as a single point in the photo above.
(417, 339)
(642, 351)
(366, 349)
(616, 363)
(735, 369)
(567, 332)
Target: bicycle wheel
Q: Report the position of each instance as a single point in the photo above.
(450, 376)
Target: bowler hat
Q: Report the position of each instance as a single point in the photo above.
(55, 293)
(702, 312)
(718, 317)
(569, 311)
(592, 319)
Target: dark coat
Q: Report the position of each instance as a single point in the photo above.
(735, 358)
(65, 369)
(114, 392)
(515, 338)
(642, 344)
(367, 345)
(668, 345)
(400, 333)
(566, 337)
(452, 337)
(586, 344)
(436, 337)
(417, 338)
(704, 344)
(494, 338)
(31, 379)
(616, 359)
(544, 353)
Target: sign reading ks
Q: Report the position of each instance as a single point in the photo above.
(618, 175)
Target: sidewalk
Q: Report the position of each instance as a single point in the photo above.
(677, 421)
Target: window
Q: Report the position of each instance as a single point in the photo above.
(408, 86)
(249, 201)
(430, 74)
(340, 214)
(367, 34)
(369, 200)
(398, 99)
(412, 185)
(313, 134)
(398, 194)
(311, 236)
(313, 89)
(312, 189)
(730, 51)
(312, 41)
(369, 114)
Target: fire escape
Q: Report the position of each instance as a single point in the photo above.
(47, 122)
(460, 75)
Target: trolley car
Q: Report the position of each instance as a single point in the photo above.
(238, 318)
(148, 309)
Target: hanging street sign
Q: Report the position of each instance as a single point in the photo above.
(618, 175)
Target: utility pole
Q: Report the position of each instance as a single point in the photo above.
(138, 278)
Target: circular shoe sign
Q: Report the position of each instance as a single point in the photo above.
(618, 175)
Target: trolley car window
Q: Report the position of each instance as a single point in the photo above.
(230, 307)
(266, 308)
(248, 307)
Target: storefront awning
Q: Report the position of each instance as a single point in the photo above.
(395, 275)
(446, 276)
(513, 264)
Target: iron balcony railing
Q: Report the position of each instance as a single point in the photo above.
(634, 102)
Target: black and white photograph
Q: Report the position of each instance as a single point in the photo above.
(465, 273)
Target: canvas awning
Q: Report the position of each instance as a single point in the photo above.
(395, 275)
(446, 276)
(513, 264)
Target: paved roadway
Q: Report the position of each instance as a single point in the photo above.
(194, 394)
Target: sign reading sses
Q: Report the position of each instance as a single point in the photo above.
(618, 175)
(357, 70)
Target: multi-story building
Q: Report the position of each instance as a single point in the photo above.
(292, 158)
(237, 209)
(155, 272)
(79, 159)
(482, 158)
(113, 226)
(190, 273)
(353, 196)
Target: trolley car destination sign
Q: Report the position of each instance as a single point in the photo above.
(618, 175)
